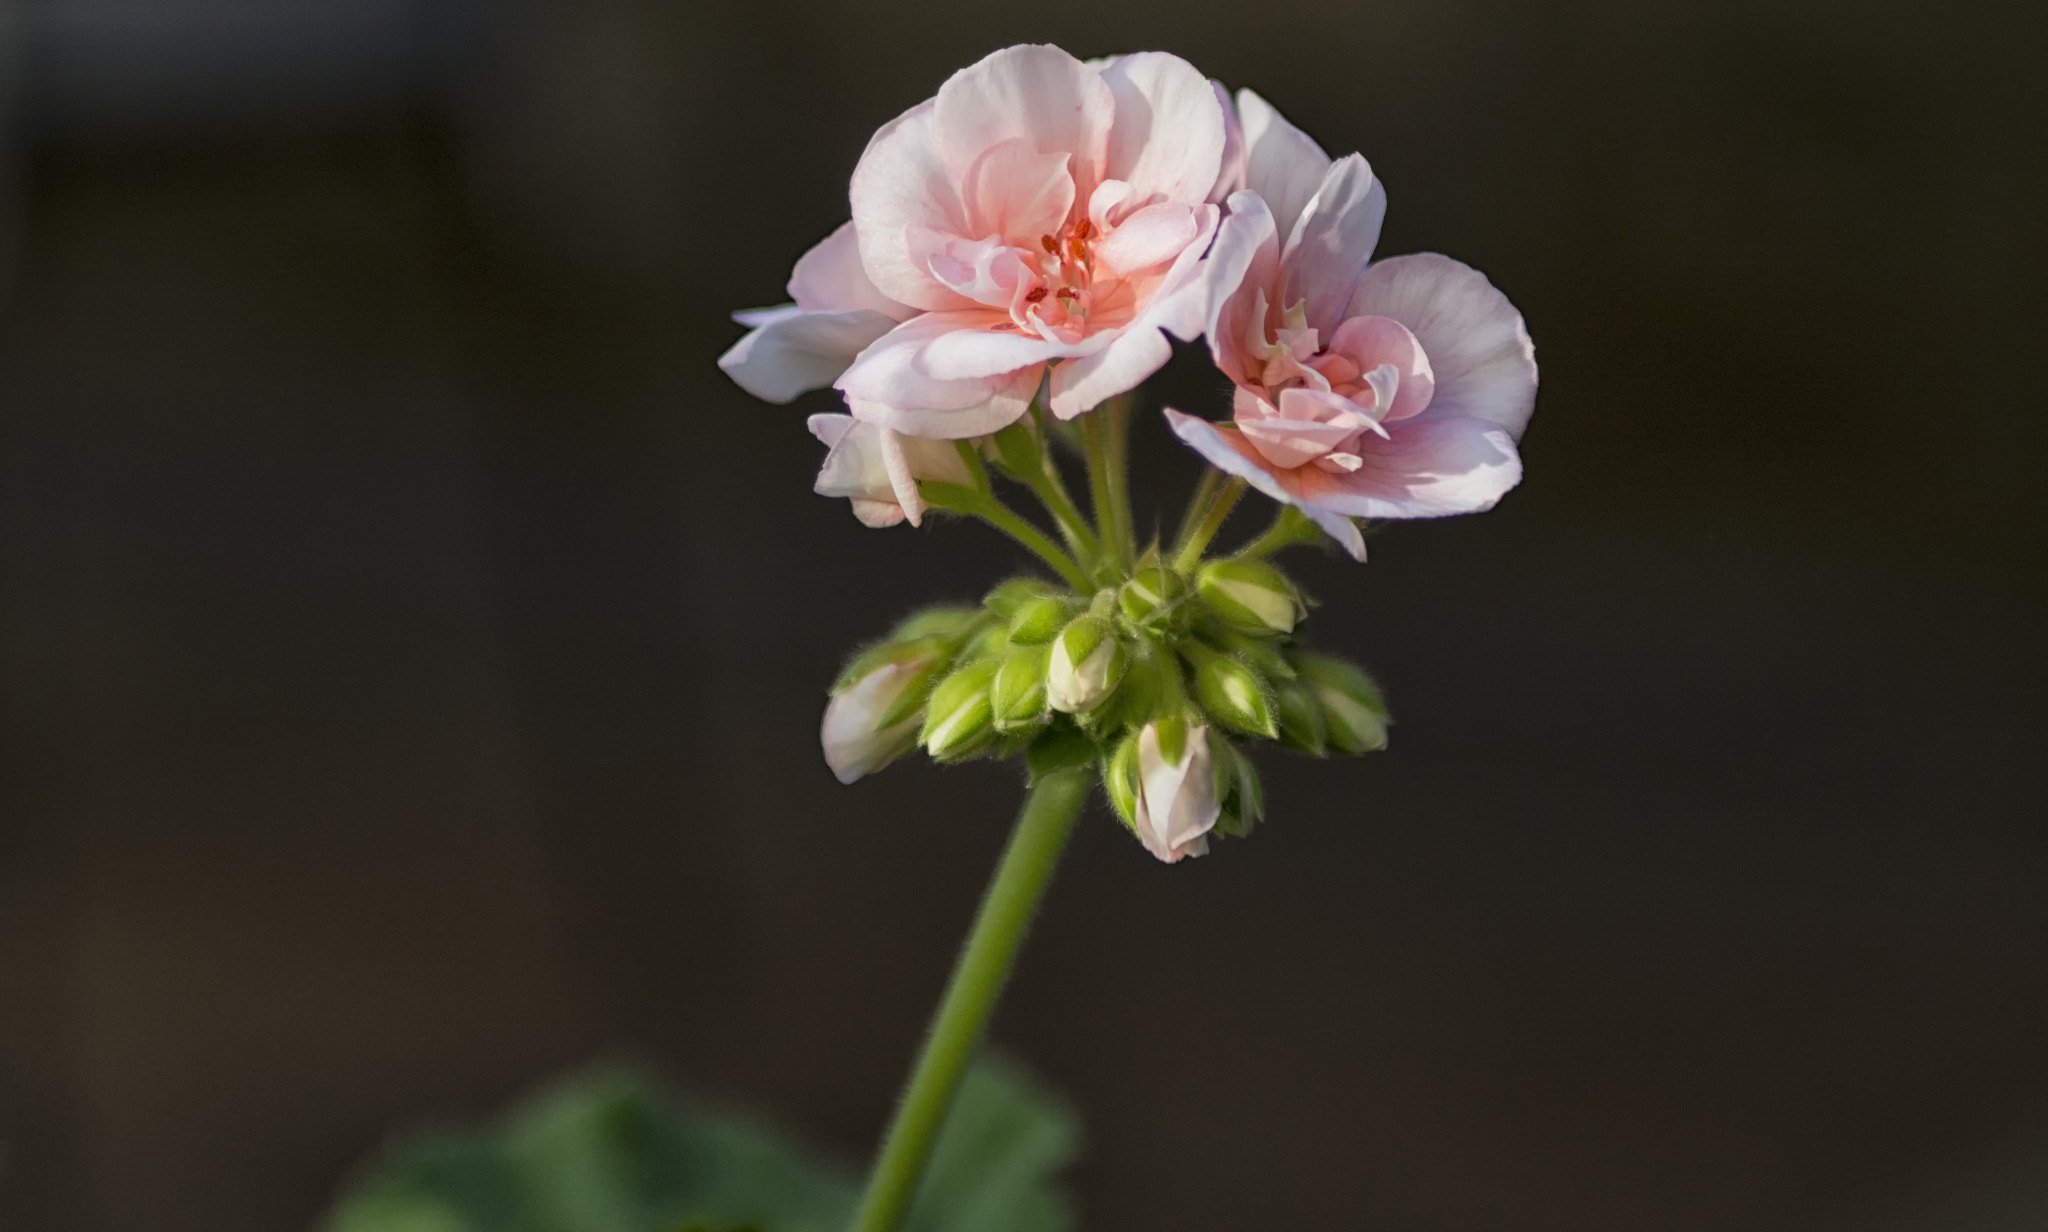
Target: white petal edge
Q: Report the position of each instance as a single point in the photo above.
(1478, 346)
(791, 351)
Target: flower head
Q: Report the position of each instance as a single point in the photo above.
(1048, 218)
(1388, 390)
(878, 469)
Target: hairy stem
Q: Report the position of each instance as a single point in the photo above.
(980, 504)
(1119, 433)
(1290, 526)
(1212, 521)
(978, 976)
(1198, 504)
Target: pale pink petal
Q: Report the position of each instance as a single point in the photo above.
(1151, 236)
(1168, 137)
(1176, 805)
(877, 515)
(1226, 449)
(1288, 443)
(1372, 341)
(1330, 245)
(887, 372)
(1017, 192)
(854, 466)
(791, 350)
(1478, 348)
(968, 354)
(1231, 177)
(1008, 398)
(1425, 468)
(1282, 163)
(1179, 303)
(1038, 93)
(988, 272)
(1082, 384)
(901, 481)
(901, 182)
(830, 278)
(1244, 260)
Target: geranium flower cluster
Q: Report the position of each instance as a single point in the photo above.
(1020, 248)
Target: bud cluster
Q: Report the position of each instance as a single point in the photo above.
(1155, 681)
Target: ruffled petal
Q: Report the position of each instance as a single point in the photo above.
(1282, 163)
(887, 372)
(902, 182)
(1479, 350)
(1006, 400)
(1226, 449)
(1151, 236)
(791, 351)
(1230, 177)
(1424, 468)
(1015, 191)
(1035, 92)
(830, 278)
(1168, 137)
(1133, 354)
(1330, 245)
(1369, 342)
(1244, 261)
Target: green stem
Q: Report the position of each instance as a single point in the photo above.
(977, 472)
(1095, 426)
(1226, 500)
(1205, 491)
(1119, 411)
(1045, 484)
(1290, 526)
(978, 976)
(966, 500)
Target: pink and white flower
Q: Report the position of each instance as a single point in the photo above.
(1047, 220)
(805, 345)
(878, 469)
(1176, 804)
(1396, 389)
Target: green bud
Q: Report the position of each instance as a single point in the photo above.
(1086, 665)
(1017, 449)
(947, 622)
(1037, 621)
(1120, 781)
(1233, 694)
(1017, 698)
(958, 721)
(1301, 717)
(991, 641)
(1238, 794)
(917, 662)
(1251, 597)
(1354, 717)
(1263, 653)
(1151, 595)
(1006, 598)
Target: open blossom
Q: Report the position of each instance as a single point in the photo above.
(806, 345)
(1391, 390)
(1046, 218)
(878, 469)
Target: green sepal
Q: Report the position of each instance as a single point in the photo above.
(1017, 695)
(1242, 798)
(1355, 716)
(1008, 596)
(1017, 450)
(950, 622)
(1251, 597)
(1301, 718)
(1038, 620)
(1233, 692)
(1061, 746)
(958, 722)
(1120, 781)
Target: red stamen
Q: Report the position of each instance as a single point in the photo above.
(1050, 244)
(1034, 295)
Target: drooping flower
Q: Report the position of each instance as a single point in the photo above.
(1047, 218)
(873, 718)
(878, 469)
(1395, 389)
(806, 344)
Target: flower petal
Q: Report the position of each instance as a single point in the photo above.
(1282, 163)
(969, 354)
(1151, 236)
(1006, 400)
(900, 182)
(1370, 342)
(1134, 353)
(830, 278)
(1168, 135)
(1423, 468)
(1329, 247)
(1244, 260)
(1016, 192)
(1478, 348)
(1231, 176)
(791, 350)
(1227, 450)
(1036, 92)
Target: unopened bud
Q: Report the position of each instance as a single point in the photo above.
(1301, 717)
(1007, 597)
(1017, 698)
(1037, 621)
(1232, 693)
(1086, 664)
(1173, 805)
(1251, 597)
(958, 720)
(1151, 595)
(1354, 717)
(872, 718)
(935, 622)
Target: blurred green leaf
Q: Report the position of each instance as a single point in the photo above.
(606, 1152)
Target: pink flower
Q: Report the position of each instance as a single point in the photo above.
(1391, 390)
(1176, 805)
(878, 469)
(807, 344)
(1047, 217)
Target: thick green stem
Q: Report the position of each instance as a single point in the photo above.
(1095, 426)
(984, 964)
(1198, 504)
(1290, 526)
(971, 458)
(1052, 494)
(1205, 530)
(1119, 433)
(966, 500)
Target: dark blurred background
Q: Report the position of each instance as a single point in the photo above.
(411, 646)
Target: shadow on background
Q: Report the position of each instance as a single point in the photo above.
(413, 646)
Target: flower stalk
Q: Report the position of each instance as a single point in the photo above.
(983, 967)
